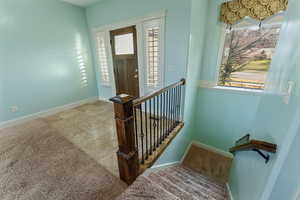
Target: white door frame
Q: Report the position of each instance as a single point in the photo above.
(138, 22)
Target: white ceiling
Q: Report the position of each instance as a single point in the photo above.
(82, 3)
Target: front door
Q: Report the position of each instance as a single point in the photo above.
(125, 60)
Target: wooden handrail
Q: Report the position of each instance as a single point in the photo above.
(140, 100)
(255, 144)
(245, 144)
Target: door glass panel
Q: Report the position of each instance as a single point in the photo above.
(124, 44)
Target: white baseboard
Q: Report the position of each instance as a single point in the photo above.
(104, 99)
(159, 167)
(229, 192)
(46, 113)
(186, 151)
(165, 165)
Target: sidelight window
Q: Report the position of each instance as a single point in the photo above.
(153, 45)
(102, 58)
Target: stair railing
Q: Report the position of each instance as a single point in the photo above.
(145, 127)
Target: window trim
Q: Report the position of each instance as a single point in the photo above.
(220, 55)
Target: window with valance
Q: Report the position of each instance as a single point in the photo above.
(250, 40)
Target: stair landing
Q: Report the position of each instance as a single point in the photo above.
(175, 183)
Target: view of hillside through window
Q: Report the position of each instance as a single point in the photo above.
(247, 56)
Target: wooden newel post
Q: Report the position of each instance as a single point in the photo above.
(127, 153)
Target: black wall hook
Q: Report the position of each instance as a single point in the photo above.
(259, 146)
(265, 156)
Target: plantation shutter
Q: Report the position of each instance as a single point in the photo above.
(102, 58)
(152, 33)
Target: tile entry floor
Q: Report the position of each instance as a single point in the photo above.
(90, 127)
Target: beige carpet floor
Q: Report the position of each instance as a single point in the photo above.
(37, 163)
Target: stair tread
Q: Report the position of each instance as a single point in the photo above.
(199, 191)
(172, 188)
(175, 183)
(143, 188)
(201, 183)
(197, 177)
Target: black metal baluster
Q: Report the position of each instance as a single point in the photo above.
(142, 135)
(161, 119)
(150, 127)
(146, 130)
(165, 111)
(136, 129)
(180, 98)
(173, 110)
(157, 121)
(172, 103)
(154, 123)
(177, 106)
(169, 113)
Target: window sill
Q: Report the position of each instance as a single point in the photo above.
(105, 85)
(243, 91)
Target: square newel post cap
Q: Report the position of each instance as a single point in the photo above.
(122, 99)
(183, 81)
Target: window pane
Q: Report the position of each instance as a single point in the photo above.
(247, 56)
(124, 44)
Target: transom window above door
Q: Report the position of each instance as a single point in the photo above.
(124, 44)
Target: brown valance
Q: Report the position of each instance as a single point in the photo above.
(233, 11)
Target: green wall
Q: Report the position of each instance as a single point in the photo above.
(197, 39)
(176, 47)
(287, 185)
(39, 64)
(177, 29)
(40, 42)
(223, 116)
(278, 121)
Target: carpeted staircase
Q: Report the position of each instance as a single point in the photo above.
(174, 183)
